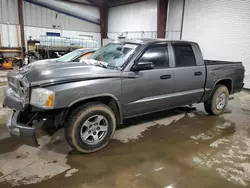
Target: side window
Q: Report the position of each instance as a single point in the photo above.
(184, 56)
(158, 55)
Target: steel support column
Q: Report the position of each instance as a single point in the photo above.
(103, 21)
(20, 12)
(162, 9)
(182, 18)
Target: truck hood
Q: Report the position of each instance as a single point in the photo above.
(50, 73)
(39, 62)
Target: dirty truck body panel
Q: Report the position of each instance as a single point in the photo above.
(218, 71)
(180, 77)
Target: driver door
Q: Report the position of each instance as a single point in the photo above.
(147, 91)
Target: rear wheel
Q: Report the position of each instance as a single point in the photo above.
(217, 103)
(90, 127)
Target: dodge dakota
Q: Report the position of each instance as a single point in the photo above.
(120, 80)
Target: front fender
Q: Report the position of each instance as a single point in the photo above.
(68, 94)
(114, 104)
(92, 97)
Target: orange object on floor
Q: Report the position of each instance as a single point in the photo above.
(7, 65)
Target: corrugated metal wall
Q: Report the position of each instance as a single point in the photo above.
(133, 18)
(139, 20)
(9, 11)
(42, 17)
(39, 20)
(8, 21)
(36, 32)
(222, 28)
(9, 35)
(173, 26)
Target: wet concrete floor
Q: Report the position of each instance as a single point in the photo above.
(172, 149)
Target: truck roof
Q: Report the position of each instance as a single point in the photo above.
(148, 40)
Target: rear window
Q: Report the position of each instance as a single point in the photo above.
(184, 56)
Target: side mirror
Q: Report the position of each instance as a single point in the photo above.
(143, 66)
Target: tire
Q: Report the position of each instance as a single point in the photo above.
(211, 104)
(81, 127)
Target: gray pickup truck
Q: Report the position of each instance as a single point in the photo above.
(120, 80)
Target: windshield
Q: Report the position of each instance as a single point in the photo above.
(69, 56)
(114, 54)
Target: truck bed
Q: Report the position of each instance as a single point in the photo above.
(230, 72)
(216, 62)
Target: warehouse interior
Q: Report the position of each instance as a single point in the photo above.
(180, 147)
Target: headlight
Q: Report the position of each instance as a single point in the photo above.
(43, 98)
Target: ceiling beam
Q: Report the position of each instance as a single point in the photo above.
(114, 3)
(80, 2)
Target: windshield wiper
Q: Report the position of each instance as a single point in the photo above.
(94, 63)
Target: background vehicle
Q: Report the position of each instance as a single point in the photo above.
(118, 81)
(75, 56)
(49, 47)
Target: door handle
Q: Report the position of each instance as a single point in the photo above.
(198, 73)
(167, 76)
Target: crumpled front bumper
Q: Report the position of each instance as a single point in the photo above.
(12, 101)
(26, 133)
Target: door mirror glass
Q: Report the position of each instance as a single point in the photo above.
(143, 66)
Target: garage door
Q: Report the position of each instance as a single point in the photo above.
(222, 28)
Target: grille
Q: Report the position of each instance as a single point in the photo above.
(19, 87)
(12, 84)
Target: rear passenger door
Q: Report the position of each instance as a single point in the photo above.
(189, 74)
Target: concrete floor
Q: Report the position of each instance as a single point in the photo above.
(171, 149)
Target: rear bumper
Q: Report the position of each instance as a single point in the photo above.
(26, 133)
(238, 87)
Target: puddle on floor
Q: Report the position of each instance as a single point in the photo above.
(154, 153)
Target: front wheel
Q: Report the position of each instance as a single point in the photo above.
(90, 127)
(217, 103)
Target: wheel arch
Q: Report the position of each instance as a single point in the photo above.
(105, 98)
(228, 82)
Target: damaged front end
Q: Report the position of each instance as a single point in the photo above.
(24, 130)
(17, 98)
(20, 122)
(23, 124)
